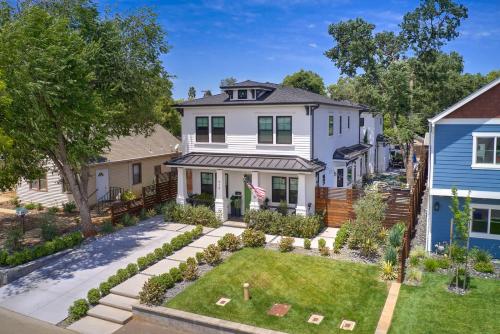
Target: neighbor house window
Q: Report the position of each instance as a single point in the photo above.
(39, 184)
(207, 183)
(340, 124)
(293, 186)
(136, 173)
(349, 174)
(487, 150)
(330, 125)
(486, 221)
(278, 189)
(265, 129)
(361, 121)
(202, 129)
(218, 129)
(348, 122)
(283, 129)
(242, 94)
(227, 185)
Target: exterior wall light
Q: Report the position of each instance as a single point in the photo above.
(436, 206)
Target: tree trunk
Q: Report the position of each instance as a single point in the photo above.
(409, 167)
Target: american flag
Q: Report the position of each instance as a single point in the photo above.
(258, 191)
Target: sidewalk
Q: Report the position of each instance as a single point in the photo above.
(13, 322)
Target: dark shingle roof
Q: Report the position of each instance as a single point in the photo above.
(244, 161)
(350, 152)
(278, 95)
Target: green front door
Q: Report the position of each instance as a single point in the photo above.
(248, 192)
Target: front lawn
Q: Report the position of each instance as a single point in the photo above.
(335, 289)
(431, 309)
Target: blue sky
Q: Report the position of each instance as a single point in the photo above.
(264, 40)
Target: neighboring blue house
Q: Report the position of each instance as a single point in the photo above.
(465, 153)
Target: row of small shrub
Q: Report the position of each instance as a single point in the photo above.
(391, 252)
(191, 215)
(81, 306)
(272, 222)
(47, 248)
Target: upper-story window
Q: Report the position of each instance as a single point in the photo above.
(265, 129)
(202, 129)
(487, 150)
(230, 94)
(242, 94)
(361, 121)
(330, 125)
(218, 129)
(340, 125)
(252, 91)
(283, 129)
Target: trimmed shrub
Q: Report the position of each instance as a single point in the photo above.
(194, 215)
(114, 280)
(151, 259)
(391, 255)
(431, 264)
(341, 237)
(286, 244)
(69, 207)
(176, 274)
(484, 267)
(212, 255)
(183, 267)
(78, 310)
(190, 271)
(198, 231)
(167, 249)
(153, 291)
(142, 263)
(107, 226)
(200, 257)
(132, 269)
(324, 251)
(307, 243)
(272, 222)
(122, 275)
(168, 211)
(93, 296)
(177, 243)
(321, 243)
(159, 254)
(105, 288)
(229, 242)
(252, 238)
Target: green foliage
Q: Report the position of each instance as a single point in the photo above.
(132, 269)
(324, 251)
(142, 214)
(396, 235)
(443, 262)
(391, 255)
(168, 211)
(418, 252)
(78, 310)
(176, 274)
(151, 259)
(153, 291)
(105, 288)
(15, 201)
(414, 260)
(190, 270)
(194, 215)
(93, 296)
(114, 280)
(307, 80)
(151, 213)
(283, 208)
(167, 249)
(484, 267)
(142, 263)
(414, 275)
(122, 275)
(159, 254)
(3, 257)
(69, 207)
(200, 257)
(49, 230)
(127, 195)
(253, 238)
(341, 237)
(107, 226)
(128, 220)
(229, 242)
(321, 243)
(307, 243)
(388, 271)
(30, 206)
(272, 222)
(480, 255)
(212, 255)
(286, 244)
(14, 239)
(431, 264)
(39, 206)
(53, 210)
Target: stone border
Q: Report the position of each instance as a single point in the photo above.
(192, 322)
(8, 275)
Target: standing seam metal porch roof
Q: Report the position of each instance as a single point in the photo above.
(243, 161)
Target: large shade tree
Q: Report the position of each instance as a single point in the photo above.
(307, 80)
(75, 79)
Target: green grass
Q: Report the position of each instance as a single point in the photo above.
(338, 290)
(430, 308)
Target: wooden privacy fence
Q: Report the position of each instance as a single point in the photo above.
(164, 189)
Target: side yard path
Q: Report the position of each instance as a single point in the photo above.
(47, 293)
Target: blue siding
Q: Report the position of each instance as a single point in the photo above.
(441, 225)
(453, 159)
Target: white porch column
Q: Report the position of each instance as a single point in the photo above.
(300, 209)
(220, 205)
(181, 186)
(254, 203)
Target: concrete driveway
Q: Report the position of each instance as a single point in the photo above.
(47, 293)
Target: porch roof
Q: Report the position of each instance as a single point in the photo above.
(246, 161)
(350, 152)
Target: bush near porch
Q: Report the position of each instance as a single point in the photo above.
(191, 215)
(272, 222)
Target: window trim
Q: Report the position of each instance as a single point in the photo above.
(196, 129)
(331, 125)
(290, 189)
(212, 129)
(482, 235)
(361, 121)
(259, 140)
(475, 136)
(140, 173)
(291, 130)
(246, 94)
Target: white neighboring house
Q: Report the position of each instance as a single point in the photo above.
(285, 140)
(130, 163)
(371, 132)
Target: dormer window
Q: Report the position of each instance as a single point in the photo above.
(230, 94)
(253, 93)
(242, 94)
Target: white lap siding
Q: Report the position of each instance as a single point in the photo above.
(54, 196)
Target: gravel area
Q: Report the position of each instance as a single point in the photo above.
(420, 229)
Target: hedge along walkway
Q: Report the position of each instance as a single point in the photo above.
(47, 293)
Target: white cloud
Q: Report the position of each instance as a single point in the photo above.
(313, 45)
(310, 26)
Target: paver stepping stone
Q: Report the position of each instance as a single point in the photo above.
(110, 314)
(161, 267)
(347, 325)
(204, 241)
(175, 226)
(279, 310)
(192, 227)
(184, 253)
(121, 302)
(315, 319)
(223, 301)
(131, 287)
(270, 237)
(91, 325)
(220, 231)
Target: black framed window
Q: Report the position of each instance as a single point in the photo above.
(278, 189)
(265, 129)
(479, 220)
(361, 121)
(218, 129)
(136, 173)
(242, 94)
(202, 129)
(340, 124)
(330, 125)
(293, 189)
(227, 185)
(207, 183)
(283, 129)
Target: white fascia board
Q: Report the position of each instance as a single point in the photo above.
(465, 193)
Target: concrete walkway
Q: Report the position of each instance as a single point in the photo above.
(385, 320)
(47, 293)
(13, 322)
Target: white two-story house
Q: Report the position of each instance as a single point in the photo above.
(285, 140)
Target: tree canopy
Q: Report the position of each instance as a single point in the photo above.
(191, 93)
(228, 81)
(76, 79)
(307, 80)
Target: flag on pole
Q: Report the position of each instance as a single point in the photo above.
(258, 191)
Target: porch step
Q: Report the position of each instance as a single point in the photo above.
(233, 223)
(117, 301)
(91, 325)
(110, 314)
